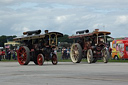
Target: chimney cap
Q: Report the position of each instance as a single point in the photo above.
(96, 30)
(46, 31)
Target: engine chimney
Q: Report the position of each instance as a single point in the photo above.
(46, 31)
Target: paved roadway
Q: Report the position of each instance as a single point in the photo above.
(65, 73)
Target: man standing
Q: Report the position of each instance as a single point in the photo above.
(9, 54)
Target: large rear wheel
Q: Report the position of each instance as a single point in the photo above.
(89, 56)
(23, 55)
(76, 53)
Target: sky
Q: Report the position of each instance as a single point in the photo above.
(65, 16)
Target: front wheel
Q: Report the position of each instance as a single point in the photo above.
(76, 53)
(89, 56)
(106, 55)
(54, 59)
(40, 59)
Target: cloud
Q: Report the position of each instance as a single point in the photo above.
(6, 1)
(60, 19)
(122, 19)
(17, 16)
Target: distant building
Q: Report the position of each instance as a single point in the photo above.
(11, 45)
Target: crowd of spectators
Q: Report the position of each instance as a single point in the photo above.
(12, 54)
(65, 53)
(8, 55)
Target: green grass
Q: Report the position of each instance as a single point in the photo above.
(84, 60)
(8, 60)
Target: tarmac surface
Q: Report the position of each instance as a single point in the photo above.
(65, 73)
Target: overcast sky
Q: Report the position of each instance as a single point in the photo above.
(66, 16)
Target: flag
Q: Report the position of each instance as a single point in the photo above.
(7, 46)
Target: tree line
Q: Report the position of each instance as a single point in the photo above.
(4, 39)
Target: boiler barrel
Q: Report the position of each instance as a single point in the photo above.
(32, 32)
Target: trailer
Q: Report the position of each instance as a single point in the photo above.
(37, 47)
(120, 49)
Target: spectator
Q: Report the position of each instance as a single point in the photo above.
(3, 54)
(6, 54)
(14, 55)
(9, 54)
(68, 52)
(64, 53)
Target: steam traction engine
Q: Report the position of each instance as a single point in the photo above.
(92, 46)
(37, 47)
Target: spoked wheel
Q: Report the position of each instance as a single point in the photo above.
(23, 55)
(89, 56)
(105, 55)
(76, 53)
(54, 59)
(94, 60)
(40, 59)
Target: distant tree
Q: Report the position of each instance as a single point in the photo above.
(65, 39)
(10, 38)
(4, 39)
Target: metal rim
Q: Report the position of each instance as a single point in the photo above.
(54, 59)
(105, 56)
(76, 53)
(94, 60)
(23, 55)
(89, 56)
(40, 59)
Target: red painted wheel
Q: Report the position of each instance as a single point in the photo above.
(40, 59)
(54, 59)
(23, 55)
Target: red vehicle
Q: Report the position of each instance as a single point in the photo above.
(37, 47)
(120, 49)
(90, 45)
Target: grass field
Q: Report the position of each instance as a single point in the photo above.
(84, 60)
(69, 60)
